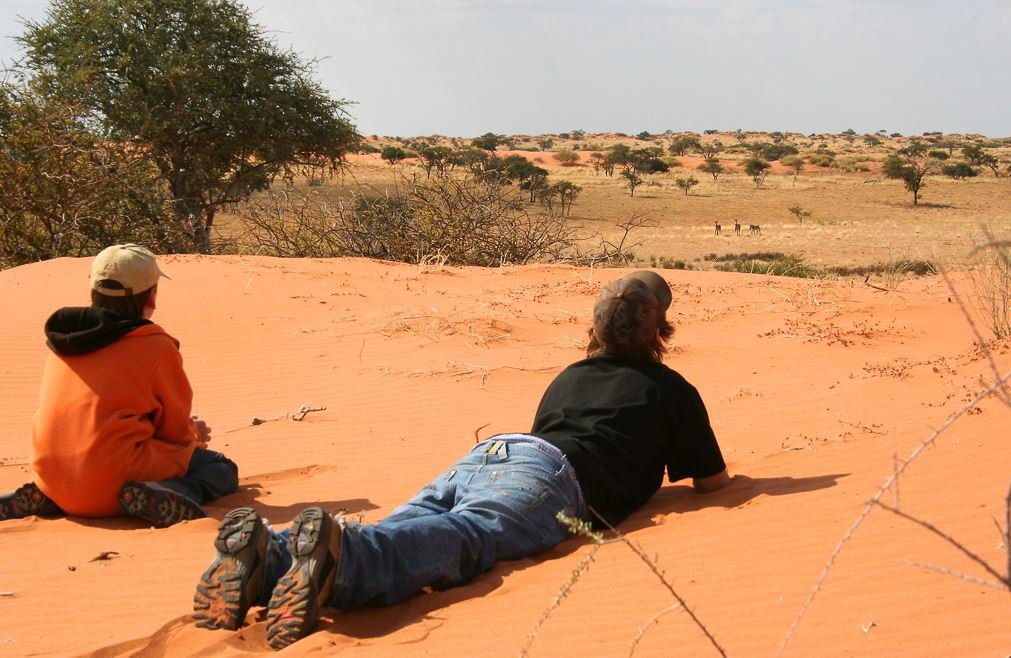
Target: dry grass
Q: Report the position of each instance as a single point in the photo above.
(857, 219)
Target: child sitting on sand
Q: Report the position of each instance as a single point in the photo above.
(113, 432)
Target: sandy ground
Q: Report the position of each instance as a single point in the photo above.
(817, 391)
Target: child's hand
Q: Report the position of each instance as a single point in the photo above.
(203, 432)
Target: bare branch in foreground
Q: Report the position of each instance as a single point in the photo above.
(655, 568)
(654, 620)
(577, 573)
(951, 540)
(998, 385)
(958, 574)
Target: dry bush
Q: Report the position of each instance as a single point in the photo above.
(459, 219)
(990, 276)
(464, 219)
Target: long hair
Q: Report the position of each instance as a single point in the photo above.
(627, 321)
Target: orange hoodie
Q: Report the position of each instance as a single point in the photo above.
(119, 413)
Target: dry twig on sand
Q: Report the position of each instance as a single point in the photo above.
(583, 528)
(998, 385)
(297, 415)
(1004, 580)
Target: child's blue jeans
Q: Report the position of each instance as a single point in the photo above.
(210, 475)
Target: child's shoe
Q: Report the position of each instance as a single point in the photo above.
(234, 581)
(27, 500)
(158, 504)
(295, 604)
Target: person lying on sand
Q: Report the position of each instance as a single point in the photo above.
(605, 430)
(113, 432)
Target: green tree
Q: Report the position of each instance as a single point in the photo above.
(488, 141)
(710, 150)
(518, 168)
(632, 179)
(910, 165)
(686, 184)
(434, 157)
(216, 105)
(712, 167)
(684, 143)
(980, 158)
(393, 154)
(757, 168)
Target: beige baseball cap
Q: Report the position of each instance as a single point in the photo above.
(123, 270)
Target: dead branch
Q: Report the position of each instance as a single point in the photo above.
(948, 538)
(654, 620)
(877, 496)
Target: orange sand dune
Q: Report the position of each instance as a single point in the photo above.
(816, 391)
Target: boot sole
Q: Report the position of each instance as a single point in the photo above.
(223, 598)
(161, 507)
(300, 594)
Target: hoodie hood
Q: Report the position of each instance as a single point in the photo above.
(74, 331)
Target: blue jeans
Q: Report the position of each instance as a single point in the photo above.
(210, 475)
(497, 503)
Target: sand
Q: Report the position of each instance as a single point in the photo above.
(817, 391)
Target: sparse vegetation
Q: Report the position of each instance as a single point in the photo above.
(990, 275)
(686, 184)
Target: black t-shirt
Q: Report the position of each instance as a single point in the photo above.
(621, 422)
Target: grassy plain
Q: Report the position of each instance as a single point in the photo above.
(857, 219)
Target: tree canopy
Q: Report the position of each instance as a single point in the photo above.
(198, 87)
(910, 165)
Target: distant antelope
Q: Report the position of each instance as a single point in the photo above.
(717, 227)
(737, 227)
(754, 229)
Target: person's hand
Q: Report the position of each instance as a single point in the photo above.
(203, 432)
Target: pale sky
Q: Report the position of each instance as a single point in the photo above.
(466, 67)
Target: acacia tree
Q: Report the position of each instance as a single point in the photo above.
(632, 179)
(199, 88)
(434, 157)
(711, 166)
(393, 154)
(980, 158)
(910, 165)
(757, 168)
(686, 184)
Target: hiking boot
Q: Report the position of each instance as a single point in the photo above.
(158, 504)
(295, 604)
(234, 581)
(27, 500)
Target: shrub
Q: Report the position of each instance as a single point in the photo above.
(467, 220)
(959, 170)
(567, 157)
(851, 163)
(821, 159)
(792, 265)
(990, 276)
(65, 191)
